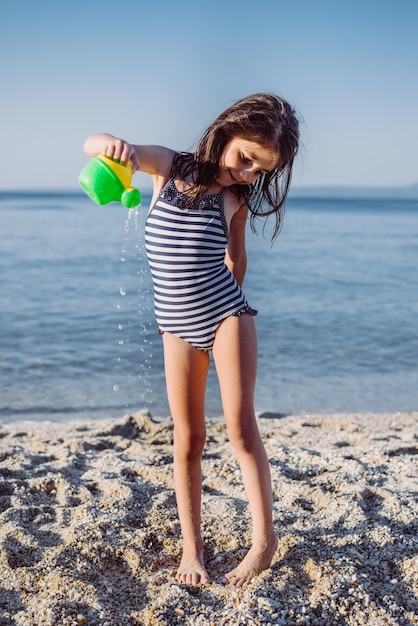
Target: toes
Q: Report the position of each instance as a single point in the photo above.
(235, 580)
(193, 579)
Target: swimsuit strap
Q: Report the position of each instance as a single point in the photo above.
(171, 194)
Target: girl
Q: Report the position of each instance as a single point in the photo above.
(195, 241)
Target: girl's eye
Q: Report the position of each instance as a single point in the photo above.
(245, 159)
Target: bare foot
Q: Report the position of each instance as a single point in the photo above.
(192, 570)
(255, 561)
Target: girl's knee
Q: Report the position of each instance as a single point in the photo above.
(189, 445)
(243, 435)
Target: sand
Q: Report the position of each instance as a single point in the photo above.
(90, 535)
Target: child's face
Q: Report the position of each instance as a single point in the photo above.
(243, 161)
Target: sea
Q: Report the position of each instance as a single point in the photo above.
(337, 295)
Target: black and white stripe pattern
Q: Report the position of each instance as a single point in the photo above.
(194, 291)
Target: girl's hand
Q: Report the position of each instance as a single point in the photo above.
(112, 147)
(121, 150)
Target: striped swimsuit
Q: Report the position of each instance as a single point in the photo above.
(194, 291)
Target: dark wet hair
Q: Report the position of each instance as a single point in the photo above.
(265, 119)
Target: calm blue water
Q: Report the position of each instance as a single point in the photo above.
(337, 297)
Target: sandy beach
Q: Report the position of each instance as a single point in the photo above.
(89, 529)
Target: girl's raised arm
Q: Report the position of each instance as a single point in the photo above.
(154, 160)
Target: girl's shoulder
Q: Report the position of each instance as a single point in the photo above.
(235, 206)
(156, 161)
(235, 200)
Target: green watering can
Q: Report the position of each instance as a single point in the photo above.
(105, 180)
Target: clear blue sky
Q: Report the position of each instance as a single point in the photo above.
(159, 71)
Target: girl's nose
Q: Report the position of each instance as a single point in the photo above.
(248, 176)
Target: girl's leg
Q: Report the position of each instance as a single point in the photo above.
(186, 370)
(235, 355)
